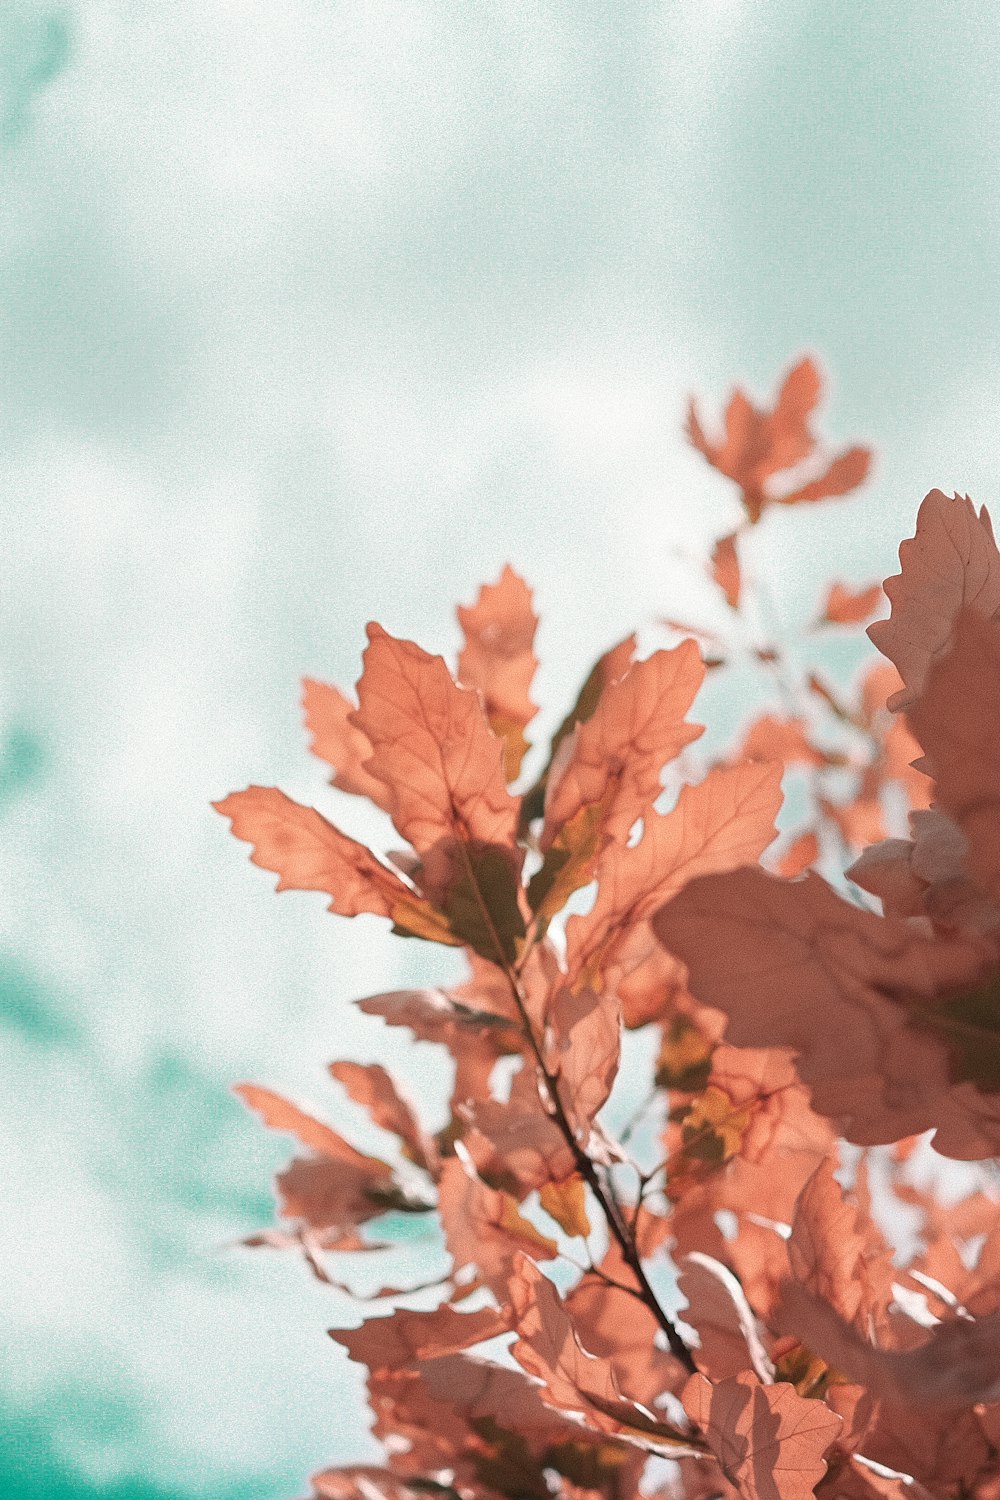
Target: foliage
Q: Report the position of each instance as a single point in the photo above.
(792, 1021)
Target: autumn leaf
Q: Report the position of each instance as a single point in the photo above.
(837, 1252)
(310, 854)
(724, 821)
(613, 664)
(371, 1086)
(794, 965)
(404, 1337)
(957, 1367)
(337, 741)
(566, 1203)
(281, 1114)
(769, 1441)
(483, 1227)
(957, 720)
(339, 1187)
(847, 606)
(574, 1380)
(725, 569)
(584, 1052)
(618, 754)
(785, 739)
(950, 564)
(759, 444)
(498, 660)
(433, 748)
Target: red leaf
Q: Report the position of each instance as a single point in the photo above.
(847, 471)
(483, 1227)
(572, 1379)
(957, 1367)
(339, 742)
(950, 564)
(282, 1114)
(769, 1441)
(761, 444)
(786, 739)
(498, 660)
(432, 747)
(836, 1251)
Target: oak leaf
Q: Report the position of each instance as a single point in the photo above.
(723, 821)
(761, 444)
(498, 660)
(725, 569)
(432, 747)
(950, 564)
(483, 1227)
(957, 720)
(958, 1366)
(310, 854)
(574, 1380)
(769, 1441)
(617, 755)
(407, 1336)
(371, 1086)
(847, 606)
(339, 742)
(860, 998)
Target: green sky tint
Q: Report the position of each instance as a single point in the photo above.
(315, 311)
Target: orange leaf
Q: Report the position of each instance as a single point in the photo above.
(339, 742)
(432, 747)
(403, 1338)
(566, 1203)
(617, 755)
(724, 821)
(310, 854)
(950, 564)
(483, 1227)
(760, 444)
(725, 569)
(498, 660)
(769, 1441)
(606, 670)
(957, 1367)
(846, 472)
(786, 739)
(957, 720)
(572, 1379)
(371, 1086)
(794, 965)
(846, 606)
(282, 1114)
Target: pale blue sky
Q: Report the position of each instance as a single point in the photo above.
(314, 312)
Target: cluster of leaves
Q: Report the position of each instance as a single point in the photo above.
(790, 1021)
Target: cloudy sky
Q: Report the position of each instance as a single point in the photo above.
(314, 311)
